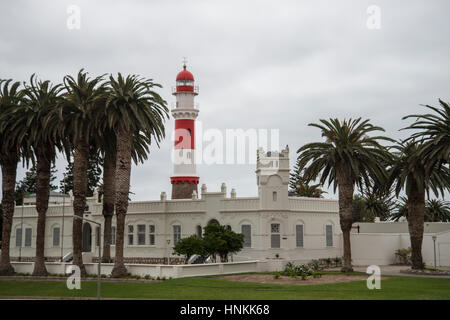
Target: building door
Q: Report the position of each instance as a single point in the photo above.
(87, 238)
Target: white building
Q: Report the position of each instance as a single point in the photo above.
(274, 225)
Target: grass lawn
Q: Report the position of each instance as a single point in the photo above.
(203, 288)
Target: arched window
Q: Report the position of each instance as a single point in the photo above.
(56, 236)
(246, 230)
(299, 235)
(329, 235)
(199, 231)
(275, 235)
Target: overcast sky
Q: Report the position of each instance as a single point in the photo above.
(259, 64)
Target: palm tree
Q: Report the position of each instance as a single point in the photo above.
(10, 152)
(300, 188)
(41, 98)
(108, 148)
(77, 115)
(140, 149)
(409, 172)
(436, 210)
(132, 108)
(347, 158)
(434, 133)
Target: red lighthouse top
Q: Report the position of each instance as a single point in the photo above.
(185, 82)
(185, 75)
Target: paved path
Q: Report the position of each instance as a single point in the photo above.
(395, 271)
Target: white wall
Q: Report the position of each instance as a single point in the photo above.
(379, 248)
(167, 271)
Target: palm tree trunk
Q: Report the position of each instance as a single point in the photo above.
(80, 164)
(345, 214)
(123, 171)
(109, 174)
(42, 195)
(9, 171)
(416, 213)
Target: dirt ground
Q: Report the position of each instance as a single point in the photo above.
(270, 278)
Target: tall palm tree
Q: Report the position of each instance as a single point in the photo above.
(347, 158)
(10, 152)
(434, 133)
(77, 115)
(108, 148)
(139, 152)
(132, 108)
(41, 99)
(409, 172)
(436, 210)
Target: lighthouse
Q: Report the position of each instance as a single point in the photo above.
(184, 179)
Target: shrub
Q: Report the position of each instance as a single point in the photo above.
(277, 275)
(337, 261)
(314, 265)
(403, 256)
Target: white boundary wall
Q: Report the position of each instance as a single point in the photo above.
(379, 248)
(160, 270)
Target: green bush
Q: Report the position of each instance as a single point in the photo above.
(403, 256)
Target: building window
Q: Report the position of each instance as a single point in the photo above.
(329, 235)
(247, 232)
(28, 233)
(299, 235)
(275, 235)
(130, 235)
(113, 236)
(56, 235)
(151, 231)
(97, 236)
(18, 237)
(141, 234)
(199, 231)
(176, 234)
(274, 195)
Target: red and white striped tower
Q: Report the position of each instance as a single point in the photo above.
(184, 179)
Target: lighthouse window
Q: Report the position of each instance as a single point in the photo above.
(274, 196)
(189, 132)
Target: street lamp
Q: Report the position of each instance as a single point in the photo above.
(168, 251)
(62, 227)
(434, 247)
(99, 251)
